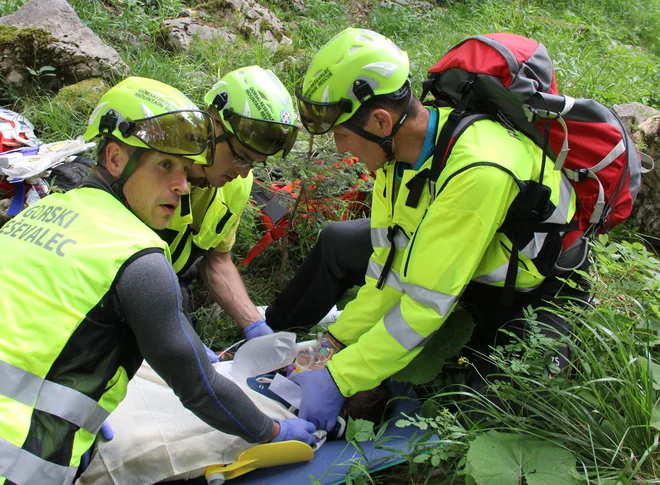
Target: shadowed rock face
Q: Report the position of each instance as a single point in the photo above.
(49, 33)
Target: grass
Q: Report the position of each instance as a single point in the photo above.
(605, 410)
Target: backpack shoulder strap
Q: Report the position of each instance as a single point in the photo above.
(455, 125)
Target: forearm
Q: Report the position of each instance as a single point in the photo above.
(150, 299)
(225, 285)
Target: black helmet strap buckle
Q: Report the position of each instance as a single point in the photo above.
(108, 123)
(362, 90)
(220, 101)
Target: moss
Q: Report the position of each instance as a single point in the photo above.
(81, 97)
(216, 6)
(29, 36)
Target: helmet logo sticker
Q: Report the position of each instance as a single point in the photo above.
(318, 82)
(285, 117)
(157, 99)
(385, 69)
(264, 111)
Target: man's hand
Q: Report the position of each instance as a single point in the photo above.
(257, 329)
(321, 399)
(213, 357)
(295, 429)
(107, 434)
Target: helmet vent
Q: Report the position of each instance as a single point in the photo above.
(263, 96)
(364, 38)
(340, 59)
(354, 49)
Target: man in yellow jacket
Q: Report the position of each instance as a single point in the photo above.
(254, 119)
(416, 260)
(87, 292)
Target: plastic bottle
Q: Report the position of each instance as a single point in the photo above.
(267, 353)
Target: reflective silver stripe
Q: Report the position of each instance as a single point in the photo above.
(496, 276)
(534, 247)
(20, 466)
(51, 398)
(393, 278)
(440, 302)
(379, 238)
(401, 330)
(560, 215)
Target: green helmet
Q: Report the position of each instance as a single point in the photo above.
(356, 65)
(254, 106)
(148, 114)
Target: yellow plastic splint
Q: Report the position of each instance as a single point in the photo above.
(260, 456)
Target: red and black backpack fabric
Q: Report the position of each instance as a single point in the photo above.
(510, 78)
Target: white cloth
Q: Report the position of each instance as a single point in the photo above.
(156, 438)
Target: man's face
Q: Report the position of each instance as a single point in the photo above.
(232, 160)
(154, 189)
(367, 152)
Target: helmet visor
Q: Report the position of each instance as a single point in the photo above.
(184, 133)
(262, 136)
(319, 118)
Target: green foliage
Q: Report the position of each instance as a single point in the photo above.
(446, 343)
(511, 459)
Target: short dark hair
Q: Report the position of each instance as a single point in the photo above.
(369, 405)
(397, 106)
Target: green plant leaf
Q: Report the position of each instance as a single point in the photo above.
(359, 430)
(510, 459)
(446, 343)
(655, 417)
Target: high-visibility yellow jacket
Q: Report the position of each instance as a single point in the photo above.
(190, 237)
(441, 246)
(65, 356)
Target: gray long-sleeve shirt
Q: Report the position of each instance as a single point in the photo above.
(149, 298)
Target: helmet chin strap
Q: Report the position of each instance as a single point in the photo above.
(385, 142)
(117, 184)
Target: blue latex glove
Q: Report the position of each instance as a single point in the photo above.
(257, 329)
(107, 434)
(213, 357)
(296, 429)
(321, 399)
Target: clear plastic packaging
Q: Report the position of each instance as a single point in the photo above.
(316, 357)
(267, 353)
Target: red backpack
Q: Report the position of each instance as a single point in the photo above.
(511, 78)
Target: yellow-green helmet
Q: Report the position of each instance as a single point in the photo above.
(149, 114)
(353, 67)
(254, 106)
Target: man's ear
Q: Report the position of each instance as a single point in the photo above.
(116, 158)
(382, 122)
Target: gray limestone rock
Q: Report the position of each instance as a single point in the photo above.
(49, 33)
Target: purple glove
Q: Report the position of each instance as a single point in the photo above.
(107, 434)
(296, 429)
(213, 357)
(257, 329)
(321, 399)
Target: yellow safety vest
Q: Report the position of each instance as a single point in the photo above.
(60, 372)
(188, 245)
(439, 247)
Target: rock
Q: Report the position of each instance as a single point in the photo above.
(247, 18)
(633, 114)
(81, 97)
(176, 35)
(646, 214)
(49, 33)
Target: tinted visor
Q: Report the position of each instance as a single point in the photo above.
(262, 136)
(184, 133)
(319, 118)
